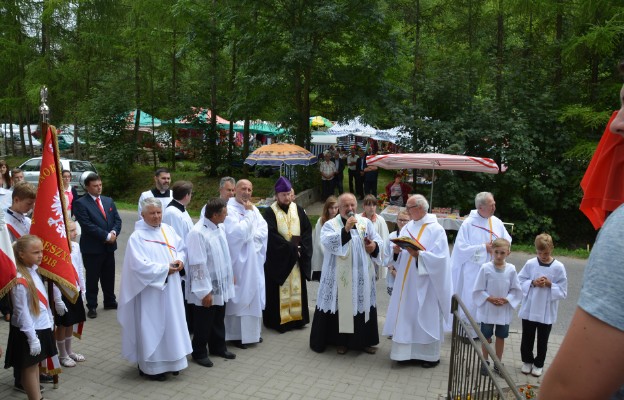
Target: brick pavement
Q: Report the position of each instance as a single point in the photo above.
(282, 367)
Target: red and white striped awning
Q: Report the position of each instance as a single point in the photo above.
(435, 161)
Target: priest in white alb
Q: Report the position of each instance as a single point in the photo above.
(151, 311)
(246, 232)
(473, 248)
(346, 310)
(421, 298)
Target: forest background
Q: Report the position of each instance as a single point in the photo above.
(529, 83)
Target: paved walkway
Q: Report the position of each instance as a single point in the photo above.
(282, 367)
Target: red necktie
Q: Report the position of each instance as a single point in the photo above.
(97, 200)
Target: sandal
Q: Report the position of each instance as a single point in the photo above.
(77, 357)
(370, 350)
(67, 362)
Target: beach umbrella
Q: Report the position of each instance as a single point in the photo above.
(278, 154)
(319, 122)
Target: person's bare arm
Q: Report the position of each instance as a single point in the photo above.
(589, 364)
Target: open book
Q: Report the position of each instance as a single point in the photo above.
(405, 242)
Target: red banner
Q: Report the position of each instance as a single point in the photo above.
(7, 261)
(49, 221)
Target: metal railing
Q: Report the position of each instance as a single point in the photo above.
(465, 379)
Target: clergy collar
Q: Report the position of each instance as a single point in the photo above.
(176, 204)
(15, 214)
(158, 193)
(544, 264)
(209, 224)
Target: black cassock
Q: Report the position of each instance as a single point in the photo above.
(281, 257)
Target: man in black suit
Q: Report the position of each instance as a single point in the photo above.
(360, 166)
(100, 223)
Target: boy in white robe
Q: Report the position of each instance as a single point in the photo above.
(544, 282)
(246, 232)
(151, 311)
(421, 298)
(496, 293)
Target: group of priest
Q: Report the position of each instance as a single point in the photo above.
(234, 268)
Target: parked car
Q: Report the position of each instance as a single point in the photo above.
(32, 167)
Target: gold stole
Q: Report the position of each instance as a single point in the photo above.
(290, 292)
(407, 267)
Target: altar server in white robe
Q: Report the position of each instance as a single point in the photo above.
(247, 233)
(346, 311)
(421, 299)
(151, 311)
(370, 212)
(473, 248)
(210, 282)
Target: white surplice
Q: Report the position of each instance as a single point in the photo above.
(421, 298)
(247, 234)
(495, 282)
(469, 254)
(382, 229)
(318, 251)
(151, 310)
(179, 220)
(209, 267)
(363, 295)
(540, 304)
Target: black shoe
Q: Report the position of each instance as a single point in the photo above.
(430, 364)
(110, 306)
(45, 378)
(20, 388)
(204, 362)
(92, 313)
(175, 373)
(239, 344)
(157, 377)
(260, 341)
(225, 354)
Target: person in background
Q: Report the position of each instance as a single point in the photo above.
(162, 181)
(398, 191)
(69, 190)
(328, 171)
(330, 210)
(544, 283)
(5, 177)
(352, 165)
(17, 176)
(393, 253)
(370, 212)
(340, 160)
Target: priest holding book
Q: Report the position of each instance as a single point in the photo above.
(421, 299)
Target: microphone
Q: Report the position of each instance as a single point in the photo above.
(350, 214)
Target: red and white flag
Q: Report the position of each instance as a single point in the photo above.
(7, 260)
(49, 221)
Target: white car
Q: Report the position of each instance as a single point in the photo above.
(76, 167)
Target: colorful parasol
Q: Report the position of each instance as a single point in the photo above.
(277, 154)
(320, 122)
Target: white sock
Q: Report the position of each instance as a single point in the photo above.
(68, 348)
(60, 344)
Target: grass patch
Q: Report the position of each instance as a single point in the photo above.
(559, 251)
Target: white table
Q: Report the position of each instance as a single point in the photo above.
(390, 215)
